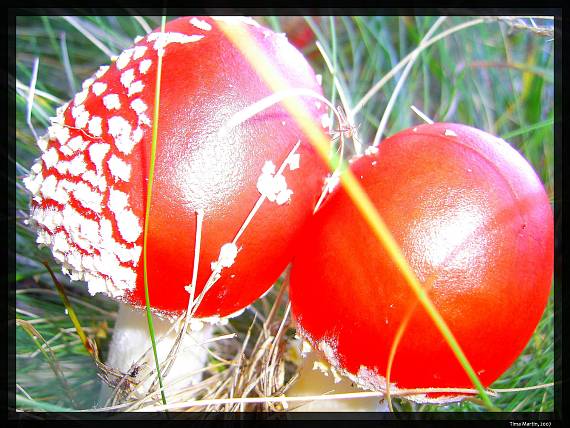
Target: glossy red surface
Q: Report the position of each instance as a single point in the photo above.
(204, 83)
(476, 226)
(195, 170)
(298, 31)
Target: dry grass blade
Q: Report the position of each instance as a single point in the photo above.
(421, 114)
(519, 23)
(89, 345)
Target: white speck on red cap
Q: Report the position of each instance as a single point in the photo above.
(66, 151)
(283, 196)
(48, 188)
(124, 59)
(97, 152)
(138, 106)
(226, 259)
(82, 119)
(77, 165)
(62, 167)
(129, 227)
(273, 185)
(119, 168)
(60, 242)
(144, 66)
(98, 88)
(95, 126)
(161, 40)
(144, 119)
(127, 221)
(43, 142)
(120, 130)
(127, 77)
(137, 135)
(58, 132)
(50, 157)
(294, 161)
(33, 183)
(139, 51)
(87, 83)
(200, 24)
(125, 254)
(112, 101)
(135, 88)
(101, 71)
(95, 180)
(87, 197)
(80, 97)
(118, 201)
(77, 110)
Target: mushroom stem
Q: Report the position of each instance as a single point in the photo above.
(130, 351)
(315, 379)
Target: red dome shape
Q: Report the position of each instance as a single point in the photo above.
(476, 226)
(89, 187)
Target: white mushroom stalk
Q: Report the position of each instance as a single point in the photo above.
(130, 353)
(317, 377)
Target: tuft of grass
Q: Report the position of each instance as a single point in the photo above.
(496, 74)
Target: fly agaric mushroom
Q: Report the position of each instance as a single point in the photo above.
(475, 225)
(234, 202)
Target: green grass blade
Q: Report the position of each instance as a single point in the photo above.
(147, 214)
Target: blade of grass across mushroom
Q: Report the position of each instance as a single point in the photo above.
(428, 283)
(247, 45)
(147, 212)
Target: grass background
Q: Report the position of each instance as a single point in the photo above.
(497, 76)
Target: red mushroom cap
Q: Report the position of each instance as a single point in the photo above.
(298, 31)
(471, 217)
(89, 187)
